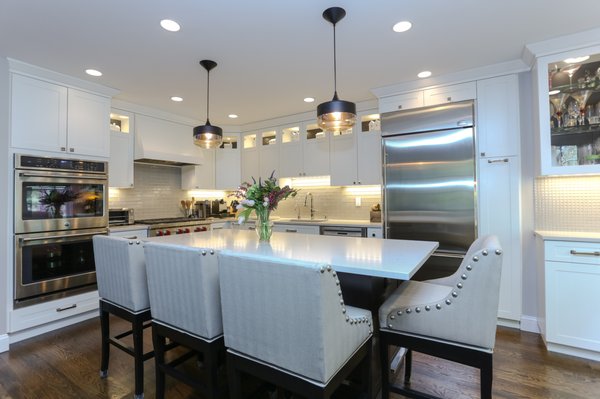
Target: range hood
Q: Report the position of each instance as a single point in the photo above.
(162, 142)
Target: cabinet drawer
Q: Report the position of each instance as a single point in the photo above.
(47, 312)
(293, 228)
(401, 102)
(453, 93)
(573, 252)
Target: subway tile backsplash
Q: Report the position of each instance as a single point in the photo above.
(569, 203)
(157, 194)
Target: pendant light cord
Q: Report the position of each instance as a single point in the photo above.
(334, 64)
(207, 95)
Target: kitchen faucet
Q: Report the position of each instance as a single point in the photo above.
(312, 210)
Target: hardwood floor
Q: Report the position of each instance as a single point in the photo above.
(65, 364)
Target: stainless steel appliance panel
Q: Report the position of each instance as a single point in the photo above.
(430, 187)
(437, 117)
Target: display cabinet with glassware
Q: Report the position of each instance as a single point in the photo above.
(568, 86)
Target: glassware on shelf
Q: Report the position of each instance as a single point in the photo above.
(570, 70)
(558, 102)
(581, 97)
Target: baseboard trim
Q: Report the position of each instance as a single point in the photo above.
(508, 323)
(4, 343)
(55, 325)
(530, 324)
(571, 351)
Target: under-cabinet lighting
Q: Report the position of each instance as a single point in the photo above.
(362, 191)
(310, 181)
(205, 194)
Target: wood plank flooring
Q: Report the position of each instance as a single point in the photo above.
(65, 363)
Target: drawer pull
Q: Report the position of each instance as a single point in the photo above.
(497, 160)
(291, 230)
(73, 306)
(583, 253)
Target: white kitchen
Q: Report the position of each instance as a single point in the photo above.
(130, 130)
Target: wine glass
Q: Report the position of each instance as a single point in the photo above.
(558, 101)
(581, 97)
(570, 70)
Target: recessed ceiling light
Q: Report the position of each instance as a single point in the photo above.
(170, 25)
(93, 72)
(553, 92)
(232, 116)
(424, 74)
(176, 99)
(309, 100)
(402, 26)
(576, 60)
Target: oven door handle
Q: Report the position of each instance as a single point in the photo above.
(29, 239)
(95, 177)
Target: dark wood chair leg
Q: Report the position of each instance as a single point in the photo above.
(159, 343)
(234, 379)
(486, 372)
(138, 357)
(385, 366)
(407, 366)
(367, 382)
(211, 363)
(105, 331)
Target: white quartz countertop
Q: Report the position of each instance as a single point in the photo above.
(397, 259)
(328, 222)
(585, 236)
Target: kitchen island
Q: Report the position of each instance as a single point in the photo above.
(394, 259)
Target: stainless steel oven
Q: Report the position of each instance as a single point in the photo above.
(60, 204)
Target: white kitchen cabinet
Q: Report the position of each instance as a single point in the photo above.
(200, 177)
(375, 232)
(571, 273)
(315, 150)
(356, 156)
(567, 103)
(132, 233)
(228, 163)
(268, 154)
(401, 101)
(120, 163)
(449, 94)
(498, 129)
(291, 158)
(49, 117)
(499, 214)
(296, 228)
(250, 158)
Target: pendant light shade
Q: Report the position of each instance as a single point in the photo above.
(335, 115)
(207, 135)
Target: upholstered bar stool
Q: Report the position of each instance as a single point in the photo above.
(186, 309)
(123, 290)
(286, 323)
(453, 318)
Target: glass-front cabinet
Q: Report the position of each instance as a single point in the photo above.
(569, 104)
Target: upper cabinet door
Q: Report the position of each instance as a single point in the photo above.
(290, 153)
(498, 122)
(450, 94)
(401, 101)
(39, 115)
(568, 104)
(228, 163)
(368, 145)
(88, 124)
(315, 151)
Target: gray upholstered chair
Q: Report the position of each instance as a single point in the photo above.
(286, 323)
(186, 308)
(123, 290)
(453, 318)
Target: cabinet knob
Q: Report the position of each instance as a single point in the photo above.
(482, 154)
(399, 106)
(72, 149)
(449, 99)
(63, 149)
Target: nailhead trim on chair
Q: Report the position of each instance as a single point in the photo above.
(454, 294)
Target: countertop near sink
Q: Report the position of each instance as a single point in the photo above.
(585, 236)
(328, 222)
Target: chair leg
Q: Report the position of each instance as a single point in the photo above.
(211, 363)
(234, 379)
(407, 366)
(368, 372)
(385, 366)
(105, 332)
(159, 343)
(138, 356)
(486, 377)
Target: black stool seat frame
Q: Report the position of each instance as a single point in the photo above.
(139, 321)
(480, 359)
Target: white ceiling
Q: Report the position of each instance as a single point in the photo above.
(273, 53)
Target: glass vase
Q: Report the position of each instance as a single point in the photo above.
(264, 227)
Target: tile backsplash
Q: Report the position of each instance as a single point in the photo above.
(157, 194)
(570, 203)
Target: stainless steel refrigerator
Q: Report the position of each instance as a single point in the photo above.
(429, 182)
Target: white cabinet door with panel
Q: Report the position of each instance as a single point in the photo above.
(250, 158)
(88, 124)
(291, 161)
(499, 214)
(315, 151)
(120, 163)
(449, 94)
(343, 158)
(38, 115)
(228, 163)
(401, 101)
(268, 154)
(498, 122)
(374, 232)
(200, 177)
(296, 228)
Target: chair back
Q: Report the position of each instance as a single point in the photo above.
(461, 308)
(289, 314)
(121, 272)
(184, 288)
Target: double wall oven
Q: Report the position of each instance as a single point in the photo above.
(60, 204)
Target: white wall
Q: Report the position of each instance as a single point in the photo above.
(5, 166)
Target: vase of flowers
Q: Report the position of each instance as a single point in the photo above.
(262, 197)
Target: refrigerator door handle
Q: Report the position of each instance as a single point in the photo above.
(444, 254)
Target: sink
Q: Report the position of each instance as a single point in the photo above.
(304, 220)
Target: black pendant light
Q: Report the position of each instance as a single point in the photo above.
(207, 135)
(335, 115)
